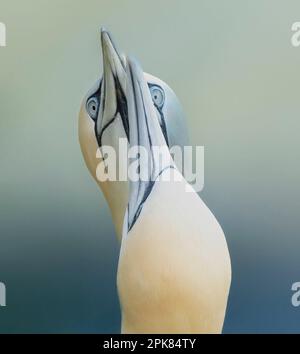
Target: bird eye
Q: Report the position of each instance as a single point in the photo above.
(158, 96)
(92, 107)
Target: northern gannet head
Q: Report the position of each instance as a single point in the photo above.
(103, 120)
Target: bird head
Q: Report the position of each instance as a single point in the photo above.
(103, 120)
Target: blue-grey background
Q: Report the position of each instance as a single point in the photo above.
(234, 69)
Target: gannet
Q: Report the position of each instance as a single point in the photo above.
(174, 270)
(103, 121)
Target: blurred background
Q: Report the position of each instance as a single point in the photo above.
(237, 75)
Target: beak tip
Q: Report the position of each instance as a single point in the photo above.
(103, 34)
(102, 29)
(133, 65)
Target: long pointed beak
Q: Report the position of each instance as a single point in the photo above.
(145, 133)
(113, 62)
(114, 78)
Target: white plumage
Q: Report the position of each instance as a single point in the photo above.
(174, 269)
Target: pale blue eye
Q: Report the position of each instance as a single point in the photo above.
(92, 107)
(158, 96)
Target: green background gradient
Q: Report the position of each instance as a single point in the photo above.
(237, 75)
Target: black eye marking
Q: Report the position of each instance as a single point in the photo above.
(158, 95)
(93, 104)
(92, 107)
(152, 88)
